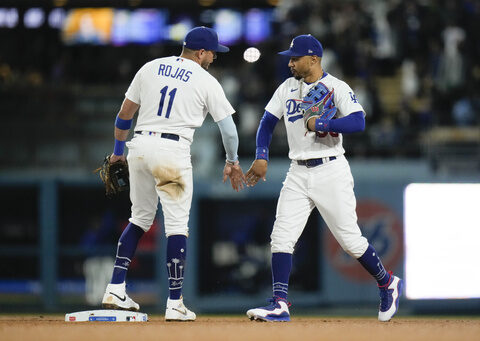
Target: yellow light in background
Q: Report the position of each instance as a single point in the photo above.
(88, 25)
(206, 3)
(273, 2)
(178, 31)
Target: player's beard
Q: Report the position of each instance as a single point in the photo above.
(205, 65)
(295, 74)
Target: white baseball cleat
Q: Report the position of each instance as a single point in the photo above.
(176, 311)
(389, 298)
(116, 297)
(277, 311)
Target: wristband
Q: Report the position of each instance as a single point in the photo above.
(261, 153)
(123, 124)
(119, 147)
(322, 124)
(232, 163)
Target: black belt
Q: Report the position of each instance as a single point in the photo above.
(169, 136)
(314, 162)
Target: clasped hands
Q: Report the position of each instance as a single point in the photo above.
(257, 171)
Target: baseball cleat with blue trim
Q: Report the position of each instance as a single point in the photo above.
(116, 297)
(389, 298)
(277, 311)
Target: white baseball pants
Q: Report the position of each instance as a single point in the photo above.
(329, 188)
(160, 168)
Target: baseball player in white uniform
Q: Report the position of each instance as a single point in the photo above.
(173, 95)
(319, 177)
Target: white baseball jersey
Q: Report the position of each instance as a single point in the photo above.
(329, 186)
(175, 94)
(286, 102)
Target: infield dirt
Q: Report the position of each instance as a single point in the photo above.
(51, 328)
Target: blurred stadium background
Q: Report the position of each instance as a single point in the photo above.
(65, 66)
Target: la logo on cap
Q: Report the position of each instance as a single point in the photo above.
(291, 44)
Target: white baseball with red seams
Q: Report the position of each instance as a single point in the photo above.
(251, 54)
(328, 186)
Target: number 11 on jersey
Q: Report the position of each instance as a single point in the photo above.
(171, 95)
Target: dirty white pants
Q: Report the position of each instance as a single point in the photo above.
(160, 168)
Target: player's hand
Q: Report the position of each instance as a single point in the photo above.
(257, 171)
(114, 158)
(311, 124)
(235, 174)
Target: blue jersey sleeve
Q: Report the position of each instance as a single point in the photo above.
(264, 135)
(352, 123)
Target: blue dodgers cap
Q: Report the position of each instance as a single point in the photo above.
(203, 38)
(304, 45)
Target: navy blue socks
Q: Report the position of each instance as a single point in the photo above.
(176, 256)
(281, 267)
(374, 266)
(127, 244)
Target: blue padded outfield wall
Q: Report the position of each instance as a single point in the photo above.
(59, 238)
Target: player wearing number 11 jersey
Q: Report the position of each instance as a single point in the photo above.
(173, 96)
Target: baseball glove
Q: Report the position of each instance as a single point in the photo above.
(114, 176)
(318, 103)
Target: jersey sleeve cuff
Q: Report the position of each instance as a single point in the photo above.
(261, 153)
(232, 161)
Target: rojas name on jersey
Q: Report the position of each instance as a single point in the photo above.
(179, 73)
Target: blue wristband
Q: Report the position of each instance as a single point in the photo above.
(123, 124)
(261, 153)
(322, 125)
(119, 147)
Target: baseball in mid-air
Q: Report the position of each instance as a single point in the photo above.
(251, 54)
